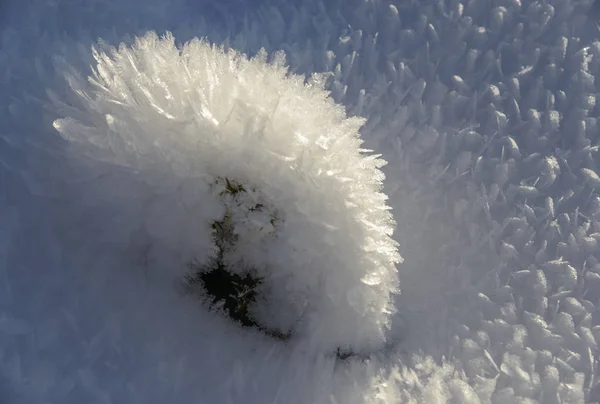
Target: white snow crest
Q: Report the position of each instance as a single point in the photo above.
(171, 122)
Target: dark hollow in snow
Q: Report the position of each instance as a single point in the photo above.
(235, 293)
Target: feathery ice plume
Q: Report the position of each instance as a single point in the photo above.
(198, 124)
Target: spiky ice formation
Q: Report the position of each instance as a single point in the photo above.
(179, 119)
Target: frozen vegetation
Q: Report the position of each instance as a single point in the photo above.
(275, 201)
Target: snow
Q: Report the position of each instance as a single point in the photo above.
(179, 118)
(117, 128)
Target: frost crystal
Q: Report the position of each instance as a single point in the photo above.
(202, 117)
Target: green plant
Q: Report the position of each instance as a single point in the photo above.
(234, 291)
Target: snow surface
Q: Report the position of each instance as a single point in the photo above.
(111, 139)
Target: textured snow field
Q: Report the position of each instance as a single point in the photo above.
(485, 111)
